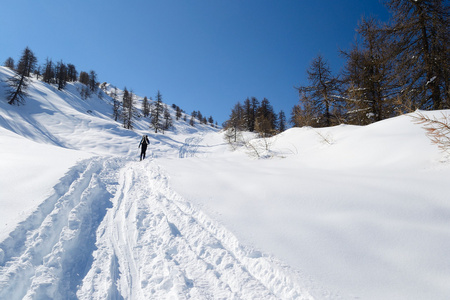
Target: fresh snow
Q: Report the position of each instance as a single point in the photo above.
(346, 212)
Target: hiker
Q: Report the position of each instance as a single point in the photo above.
(144, 142)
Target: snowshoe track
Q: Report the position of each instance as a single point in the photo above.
(118, 231)
(47, 256)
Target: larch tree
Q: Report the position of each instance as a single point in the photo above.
(167, 119)
(19, 82)
(127, 108)
(84, 78)
(303, 113)
(266, 119)
(250, 107)
(420, 34)
(178, 112)
(49, 71)
(157, 113)
(93, 81)
(72, 74)
(145, 107)
(321, 91)
(9, 63)
(116, 105)
(369, 93)
(281, 121)
(61, 75)
(236, 122)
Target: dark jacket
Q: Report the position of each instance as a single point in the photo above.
(144, 142)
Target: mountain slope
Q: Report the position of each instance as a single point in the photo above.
(337, 213)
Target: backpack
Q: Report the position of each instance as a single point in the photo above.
(145, 141)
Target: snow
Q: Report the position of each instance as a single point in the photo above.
(346, 212)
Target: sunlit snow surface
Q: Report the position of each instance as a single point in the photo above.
(336, 213)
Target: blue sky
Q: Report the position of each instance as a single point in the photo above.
(201, 54)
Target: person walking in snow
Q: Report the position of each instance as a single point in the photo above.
(144, 142)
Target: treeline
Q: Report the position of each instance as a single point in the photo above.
(392, 68)
(49, 72)
(158, 113)
(255, 116)
(124, 106)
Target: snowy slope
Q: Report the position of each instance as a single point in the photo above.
(337, 213)
(367, 216)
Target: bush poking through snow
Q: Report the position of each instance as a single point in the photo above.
(437, 130)
(256, 147)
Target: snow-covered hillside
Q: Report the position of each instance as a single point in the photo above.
(337, 213)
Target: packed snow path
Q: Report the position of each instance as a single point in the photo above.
(114, 229)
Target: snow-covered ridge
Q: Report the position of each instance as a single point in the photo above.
(64, 119)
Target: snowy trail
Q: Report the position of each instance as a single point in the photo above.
(47, 254)
(114, 229)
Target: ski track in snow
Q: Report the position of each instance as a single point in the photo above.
(114, 229)
(190, 146)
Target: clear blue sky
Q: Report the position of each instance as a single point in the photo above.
(201, 54)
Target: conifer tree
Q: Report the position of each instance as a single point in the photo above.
(303, 114)
(93, 82)
(145, 107)
(250, 108)
(321, 91)
(84, 78)
(61, 75)
(9, 63)
(37, 72)
(49, 71)
(116, 105)
(127, 108)
(236, 122)
(281, 121)
(367, 76)
(130, 110)
(72, 74)
(266, 119)
(199, 116)
(167, 124)
(178, 113)
(157, 113)
(420, 36)
(19, 83)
